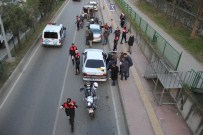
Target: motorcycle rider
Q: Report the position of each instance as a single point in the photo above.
(92, 87)
(70, 107)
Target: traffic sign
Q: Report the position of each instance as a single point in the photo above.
(112, 7)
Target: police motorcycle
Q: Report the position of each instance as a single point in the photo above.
(90, 97)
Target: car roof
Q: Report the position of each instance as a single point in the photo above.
(92, 2)
(94, 54)
(94, 26)
(52, 28)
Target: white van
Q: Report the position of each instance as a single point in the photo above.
(53, 35)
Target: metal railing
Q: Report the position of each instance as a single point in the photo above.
(167, 51)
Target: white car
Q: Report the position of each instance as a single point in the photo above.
(95, 4)
(94, 65)
(97, 32)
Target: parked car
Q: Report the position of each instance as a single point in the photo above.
(94, 65)
(97, 32)
(95, 4)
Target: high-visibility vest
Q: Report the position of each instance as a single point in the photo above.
(69, 106)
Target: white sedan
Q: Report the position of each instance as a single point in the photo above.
(94, 65)
(95, 4)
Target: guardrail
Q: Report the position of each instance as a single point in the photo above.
(167, 51)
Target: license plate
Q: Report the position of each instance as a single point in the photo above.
(91, 111)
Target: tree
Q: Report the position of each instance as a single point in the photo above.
(15, 20)
(197, 20)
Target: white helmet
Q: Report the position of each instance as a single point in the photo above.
(95, 85)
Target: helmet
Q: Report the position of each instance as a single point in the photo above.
(68, 100)
(95, 85)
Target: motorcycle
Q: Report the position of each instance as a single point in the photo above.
(90, 97)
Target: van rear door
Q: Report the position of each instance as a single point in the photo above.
(51, 38)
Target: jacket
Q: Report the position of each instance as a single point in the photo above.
(72, 50)
(114, 72)
(124, 67)
(131, 40)
(70, 109)
(91, 35)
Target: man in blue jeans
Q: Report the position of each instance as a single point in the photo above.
(105, 37)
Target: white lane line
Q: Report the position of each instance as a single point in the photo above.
(16, 81)
(115, 112)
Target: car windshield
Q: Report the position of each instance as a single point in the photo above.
(94, 63)
(96, 30)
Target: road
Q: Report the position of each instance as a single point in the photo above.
(31, 107)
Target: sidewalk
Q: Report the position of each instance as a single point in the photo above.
(143, 115)
(187, 61)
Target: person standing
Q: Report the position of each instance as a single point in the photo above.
(130, 62)
(105, 37)
(114, 73)
(72, 50)
(111, 26)
(124, 68)
(87, 35)
(124, 32)
(130, 43)
(77, 63)
(117, 32)
(90, 38)
(122, 20)
(70, 106)
(78, 22)
(115, 43)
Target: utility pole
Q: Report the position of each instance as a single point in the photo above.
(5, 40)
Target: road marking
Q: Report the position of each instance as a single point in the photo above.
(150, 111)
(115, 112)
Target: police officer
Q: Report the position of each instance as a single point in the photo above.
(124, 31)
(72, 50)
(70, 107)
(77, 62)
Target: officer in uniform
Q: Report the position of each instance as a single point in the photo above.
(72, 50)
(70, 107)
(77, 62)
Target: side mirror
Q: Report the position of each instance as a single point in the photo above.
(64, 28)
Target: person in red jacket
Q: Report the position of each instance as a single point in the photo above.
(124, 32)
(70, 107)
(72, 50)
(77, 62)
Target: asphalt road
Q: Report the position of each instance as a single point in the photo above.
(31, 107)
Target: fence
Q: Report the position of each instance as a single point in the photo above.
(170, 55)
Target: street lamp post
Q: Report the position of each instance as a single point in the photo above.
(5, 40)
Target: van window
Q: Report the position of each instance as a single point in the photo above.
(51, 35)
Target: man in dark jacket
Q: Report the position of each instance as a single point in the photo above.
(124, 68)
(70, 107)
(130, 43)
(130, 62)
(114, 73)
